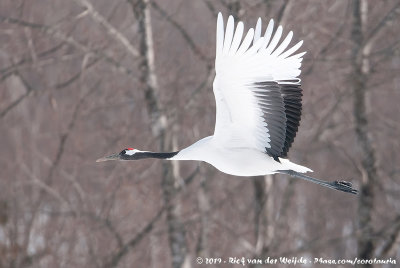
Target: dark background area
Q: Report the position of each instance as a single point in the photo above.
(86, 78)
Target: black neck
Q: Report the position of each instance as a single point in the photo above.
(142, 155)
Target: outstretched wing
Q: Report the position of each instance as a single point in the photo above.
(257, 92)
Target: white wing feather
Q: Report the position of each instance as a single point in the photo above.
(237, 38)
(240, 121)
(268, 33)
(257, 32)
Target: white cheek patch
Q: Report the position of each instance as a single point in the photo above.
(131, 152)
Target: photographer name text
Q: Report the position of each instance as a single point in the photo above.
(291, 261)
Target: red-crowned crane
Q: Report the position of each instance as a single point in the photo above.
(258, 107)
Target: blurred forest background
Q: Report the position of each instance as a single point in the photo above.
(81, 79)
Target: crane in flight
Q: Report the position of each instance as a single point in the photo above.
(258, 107)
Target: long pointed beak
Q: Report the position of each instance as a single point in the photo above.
(108, 158)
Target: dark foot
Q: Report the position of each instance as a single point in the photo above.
(345, 186)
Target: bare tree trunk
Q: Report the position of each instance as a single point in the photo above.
(260, 197)
(148, 79)
(264, 228)
(204, 206)
(359, 77)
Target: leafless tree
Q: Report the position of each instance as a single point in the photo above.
(83, 78)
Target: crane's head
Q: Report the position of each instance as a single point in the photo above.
(126, 154)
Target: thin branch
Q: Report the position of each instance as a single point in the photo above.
(75, 77)
(123, 250)
(330, 111)
(182, 31)
(111, 30)
(211, 7)
(328, 45)
(391, 15)
(206, 81)
(282, 11)
(134, 241)
(53, 32)
(14, 104)
(64, 136)
(7, 71)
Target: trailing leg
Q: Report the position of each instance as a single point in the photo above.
(343, 186)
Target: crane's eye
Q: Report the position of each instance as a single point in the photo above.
(123, 152)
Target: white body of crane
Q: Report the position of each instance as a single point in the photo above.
(235, 160)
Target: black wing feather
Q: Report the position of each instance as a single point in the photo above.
(281, 105)
(292, 97)
(270, 100)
